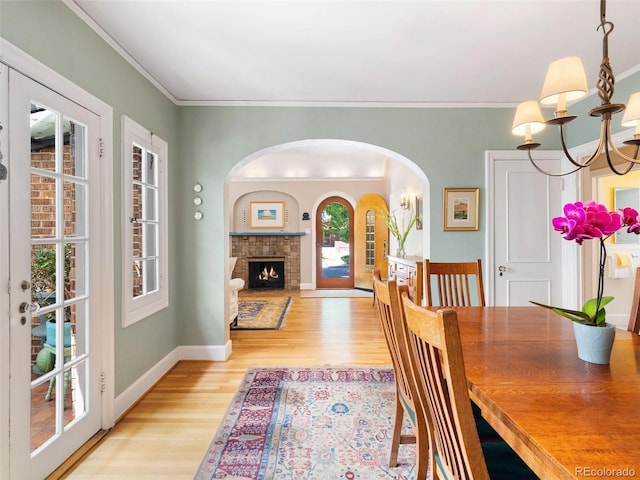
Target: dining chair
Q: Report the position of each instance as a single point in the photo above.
(392, 322)
(634, 319)
(452, 283)
(438, 366)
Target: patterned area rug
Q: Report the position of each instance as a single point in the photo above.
(308, 424)
(261, 313)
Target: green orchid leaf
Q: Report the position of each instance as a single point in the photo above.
(590, 307)
(573, 315)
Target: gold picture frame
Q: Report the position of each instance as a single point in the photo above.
(266, 215)
(460, 209)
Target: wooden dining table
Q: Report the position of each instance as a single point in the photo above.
(566, 418)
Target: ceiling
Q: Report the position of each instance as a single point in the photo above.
(419, 53)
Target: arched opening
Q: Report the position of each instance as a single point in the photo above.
(309, 171)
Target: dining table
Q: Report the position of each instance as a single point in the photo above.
(566, 418)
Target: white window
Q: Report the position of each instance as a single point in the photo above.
(144, 226)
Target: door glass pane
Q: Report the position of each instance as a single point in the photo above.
(75, 222)
(44, 125)
(43, 206)
(75, 146)
(44, 275)
(335, 241)
(75, 264)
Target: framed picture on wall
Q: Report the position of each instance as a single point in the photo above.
(460, 208)
(266, 215)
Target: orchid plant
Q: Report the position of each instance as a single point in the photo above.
(586, 221)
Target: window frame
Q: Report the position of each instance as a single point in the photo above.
(137, 308)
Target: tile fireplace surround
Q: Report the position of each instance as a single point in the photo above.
(287, 246)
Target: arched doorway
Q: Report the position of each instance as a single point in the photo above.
(334, 243)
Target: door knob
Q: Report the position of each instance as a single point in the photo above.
(28, 307)
(502, 269)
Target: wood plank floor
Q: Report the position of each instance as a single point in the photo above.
(167, 433)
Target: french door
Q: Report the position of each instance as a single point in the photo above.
(55, 358)
(334, 244)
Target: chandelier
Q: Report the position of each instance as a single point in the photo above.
(566, 81)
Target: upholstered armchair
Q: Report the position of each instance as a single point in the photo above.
(235, 285)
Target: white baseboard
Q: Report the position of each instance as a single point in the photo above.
(306, 286)
(216, 353)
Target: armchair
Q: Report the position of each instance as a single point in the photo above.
(235, 285)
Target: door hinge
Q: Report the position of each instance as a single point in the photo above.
(100, 147)
(103, 382)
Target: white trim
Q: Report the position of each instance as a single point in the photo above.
(39, 72)
(214, 353)
(337, 104)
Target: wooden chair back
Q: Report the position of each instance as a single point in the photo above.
(452, 281)
(387, 294)
(634, 319)
(438, 367)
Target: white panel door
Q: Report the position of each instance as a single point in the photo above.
(526, 249)
(55, 356)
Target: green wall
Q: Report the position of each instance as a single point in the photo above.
(206, 142)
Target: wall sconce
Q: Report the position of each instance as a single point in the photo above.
(405, 202)
(305, 216)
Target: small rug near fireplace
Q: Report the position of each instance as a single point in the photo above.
(261, 313)
(308, 424)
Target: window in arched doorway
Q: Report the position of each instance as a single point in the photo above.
(370, 239)
(334, 246)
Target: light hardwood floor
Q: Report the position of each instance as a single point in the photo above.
(167, 433)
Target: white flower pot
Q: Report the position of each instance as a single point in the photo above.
(594, 343)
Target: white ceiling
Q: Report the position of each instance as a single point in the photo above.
(346, 52)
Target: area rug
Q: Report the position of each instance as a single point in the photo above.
(261, 313)
(336, 293)
(308, 424)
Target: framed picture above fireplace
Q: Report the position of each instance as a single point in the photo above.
(266, 215)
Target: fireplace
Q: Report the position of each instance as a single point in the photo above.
(266, 273)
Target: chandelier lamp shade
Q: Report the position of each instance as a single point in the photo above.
(566, 81)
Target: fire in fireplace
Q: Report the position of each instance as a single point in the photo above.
(266, 273)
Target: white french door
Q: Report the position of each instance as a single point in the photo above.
(55, 356)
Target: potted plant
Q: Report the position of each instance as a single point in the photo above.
(587, 221)
(43, 280)
(394, 228)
